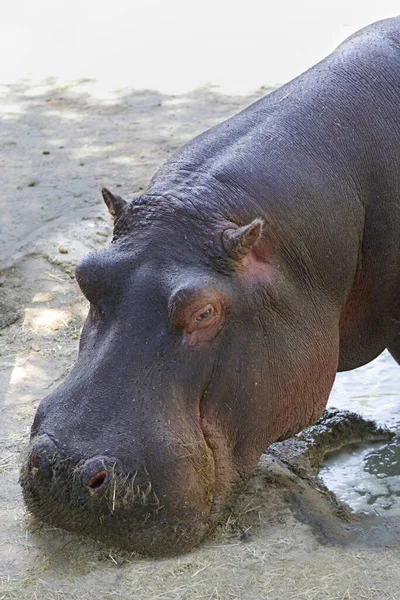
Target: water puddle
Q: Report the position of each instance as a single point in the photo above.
(367, 477)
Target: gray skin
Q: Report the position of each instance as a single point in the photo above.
(264, 257)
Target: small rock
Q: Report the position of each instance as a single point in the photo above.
(46, 152)
(35, 348)
(245, 537)
(62, 250)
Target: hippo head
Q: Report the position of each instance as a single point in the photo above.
(189, 366)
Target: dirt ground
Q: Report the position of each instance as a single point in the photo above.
(59, 145)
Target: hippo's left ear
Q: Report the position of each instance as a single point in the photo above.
(115, 204)
(238, 242)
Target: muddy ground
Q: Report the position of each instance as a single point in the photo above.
(283, 539)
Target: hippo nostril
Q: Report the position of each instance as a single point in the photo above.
(99, 480)
(42, 456)
(96, 474)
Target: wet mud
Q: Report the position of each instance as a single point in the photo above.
(296, 463)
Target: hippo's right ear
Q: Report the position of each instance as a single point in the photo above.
(240, 241)
(115, 204)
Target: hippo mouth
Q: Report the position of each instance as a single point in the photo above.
(116, 507)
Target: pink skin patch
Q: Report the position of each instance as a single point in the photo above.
(256, 268)
(254, 254)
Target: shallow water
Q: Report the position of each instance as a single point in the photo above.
(367, 477)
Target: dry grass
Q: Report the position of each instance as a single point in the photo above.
(271, 567)
(6, 463)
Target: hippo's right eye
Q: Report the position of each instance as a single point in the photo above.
(95, 313)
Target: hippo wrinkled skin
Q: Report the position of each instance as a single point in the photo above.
(263, 258)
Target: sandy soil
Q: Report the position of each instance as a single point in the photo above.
(58, 146)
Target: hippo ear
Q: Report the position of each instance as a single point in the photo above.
(115, 204)
(238, 242)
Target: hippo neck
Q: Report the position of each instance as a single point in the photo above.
(203, 193)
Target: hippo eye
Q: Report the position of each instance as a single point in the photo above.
(94, 313)
(196, 316)
(203, 317)
(207, 312)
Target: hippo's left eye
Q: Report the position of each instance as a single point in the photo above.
(206, 316)
(204, 313)
(196, 319)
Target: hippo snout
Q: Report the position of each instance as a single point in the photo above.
(124, 504)
(93, 475)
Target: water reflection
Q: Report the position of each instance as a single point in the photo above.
(368, 477)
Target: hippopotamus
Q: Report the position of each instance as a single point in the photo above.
(263, 257)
